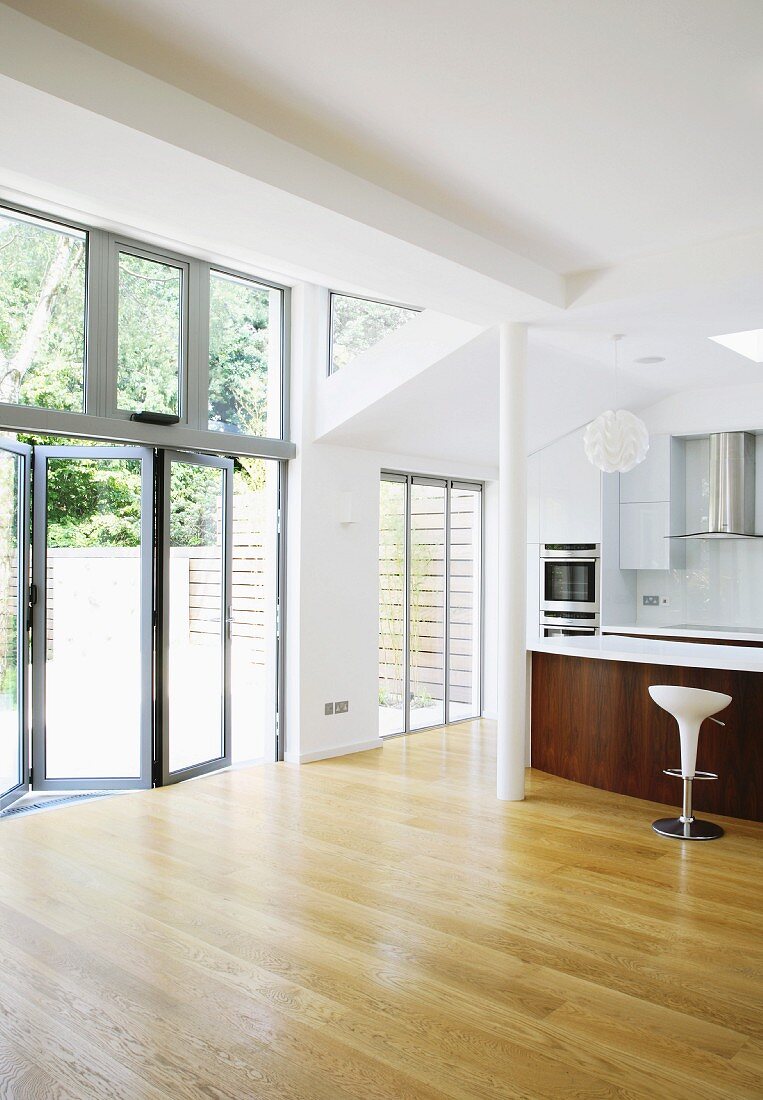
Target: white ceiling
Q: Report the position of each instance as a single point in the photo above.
(578, 134)
(599, 132)
(450, 409)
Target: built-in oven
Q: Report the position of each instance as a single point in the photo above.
(566, 624)
(569, 597)
(570, 577)
(566, 631)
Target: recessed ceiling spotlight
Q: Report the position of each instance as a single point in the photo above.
(749, 344)
(651, 359)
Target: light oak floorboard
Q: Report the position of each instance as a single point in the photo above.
(378, 926)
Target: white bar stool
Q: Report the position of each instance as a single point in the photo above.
(690, 707)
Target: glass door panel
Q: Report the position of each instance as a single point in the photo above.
(92, 639)
(197, 542)
(253, 618)
(393, 674)
(427, 604)
(14, 568)
(465, 588)
(430, 602)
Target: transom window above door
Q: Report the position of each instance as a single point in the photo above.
(150, 334)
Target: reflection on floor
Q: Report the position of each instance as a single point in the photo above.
(392, 719)
(378, 926)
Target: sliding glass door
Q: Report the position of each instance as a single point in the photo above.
(393, 602)
(464, 601)
(14, 588)
(426, 601)
(430, 595)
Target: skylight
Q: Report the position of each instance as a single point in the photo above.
(749, 344)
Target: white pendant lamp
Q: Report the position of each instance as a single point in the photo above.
(615, 442)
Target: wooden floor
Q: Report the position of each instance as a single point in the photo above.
(377, 926)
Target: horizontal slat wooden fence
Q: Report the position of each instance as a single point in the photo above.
(427, 611)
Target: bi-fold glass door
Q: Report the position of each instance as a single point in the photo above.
(130, 616)
(430, 595)
(92, 618)
(194, 636)
(15, 459)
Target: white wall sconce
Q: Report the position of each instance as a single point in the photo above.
(346, 509)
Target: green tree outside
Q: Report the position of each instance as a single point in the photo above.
(42, 355)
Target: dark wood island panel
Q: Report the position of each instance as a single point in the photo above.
(594, 722)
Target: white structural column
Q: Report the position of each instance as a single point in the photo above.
(512, 563)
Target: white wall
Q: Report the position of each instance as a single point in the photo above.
(332, 618)
(699, 412)
(401, 355)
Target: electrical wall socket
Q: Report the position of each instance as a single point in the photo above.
(342, 706)
(328, 708)
(651, 601)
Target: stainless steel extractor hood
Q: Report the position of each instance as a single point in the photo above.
(732, 488)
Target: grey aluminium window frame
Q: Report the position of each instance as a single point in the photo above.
(118, 246)
(98, 423)
(100, 419)
(23, 454)
(448, 484)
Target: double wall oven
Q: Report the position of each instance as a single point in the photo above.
(569, 597)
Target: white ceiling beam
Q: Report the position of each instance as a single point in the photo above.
(352, 233)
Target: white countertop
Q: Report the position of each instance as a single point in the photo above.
(649, 651)
(687, 630)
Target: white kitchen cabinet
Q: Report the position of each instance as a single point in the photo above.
(652, 507)
(644, 530)
(570, 493)
(533, 498)
(650, 480)
(533, 590)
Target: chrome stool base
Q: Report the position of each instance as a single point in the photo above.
(687, 830)
(687, 827)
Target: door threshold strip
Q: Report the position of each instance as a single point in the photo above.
(42, 804)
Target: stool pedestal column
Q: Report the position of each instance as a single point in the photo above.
(688, 827)
(690, 707)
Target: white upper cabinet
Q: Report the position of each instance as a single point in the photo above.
(652, 507)
(570, 493)
(644, 528)
(650, 480)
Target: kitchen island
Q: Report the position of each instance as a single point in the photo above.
(594, 722)
(692, 632)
